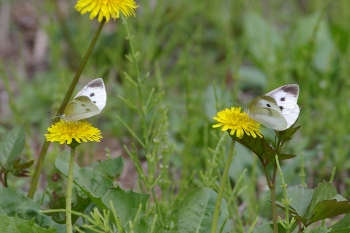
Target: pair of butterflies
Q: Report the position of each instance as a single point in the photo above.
(277, 109)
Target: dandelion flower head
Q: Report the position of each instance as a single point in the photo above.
(65, 131)
(106, 8)
(238, 122)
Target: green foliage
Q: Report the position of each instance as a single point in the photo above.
(167, 72)
(310, 205)
(195, 213)
(14, 224)
(11, 147)
(14, 204)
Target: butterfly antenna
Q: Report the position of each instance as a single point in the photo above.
(235, 104)
(52, 118)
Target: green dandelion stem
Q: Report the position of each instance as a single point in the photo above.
(39, 165)
(69, 193)
(222, 187)
(272, 186)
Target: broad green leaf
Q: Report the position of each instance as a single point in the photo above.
(92, 181)
(195, 213)
(309, 206)
(126, 203)
(329, 208)
(98, 187)
(111, 167)
(301, 198)
(15, 204)
(324, 191)
(261, 148)
(11, 145)
(14, 224)
(287, 134)
(79, 205)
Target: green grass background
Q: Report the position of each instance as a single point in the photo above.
(186, 48)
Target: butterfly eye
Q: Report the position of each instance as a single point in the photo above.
(283, 99)
(92, 94)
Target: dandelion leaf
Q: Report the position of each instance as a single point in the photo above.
(16, 204)
(287, 134)
(11, 145)
(308, 206)
(126, 204)
(14, 224)
(261, 148)
(113, 168)
(195, 213)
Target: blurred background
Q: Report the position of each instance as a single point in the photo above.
(189, 51)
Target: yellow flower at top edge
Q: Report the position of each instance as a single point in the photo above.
(106, 8)
(238, 122)
(65, 131)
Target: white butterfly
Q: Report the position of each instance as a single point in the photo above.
(278, 109)
(88, 102)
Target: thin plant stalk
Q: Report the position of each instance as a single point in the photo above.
(69, 228)
(222, 187)
(272, 187)
(44, 148)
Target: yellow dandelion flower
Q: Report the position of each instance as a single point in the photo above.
(238, 122)
(106, 8)
(63, 131)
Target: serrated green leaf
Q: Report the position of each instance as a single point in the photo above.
(195, 213)
(14, 224)
(15, 204)
(97, 186)
(111, 167)
(309, 206)
(126, 203)
(287, 134)
(324, 191)
(92, 181)
(329, 208)
(261, 148)
(11, 145)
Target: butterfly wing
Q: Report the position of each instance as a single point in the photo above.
(96, 92)
(286, 97)
(265, 110)
(79, 108)
(293, 116)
